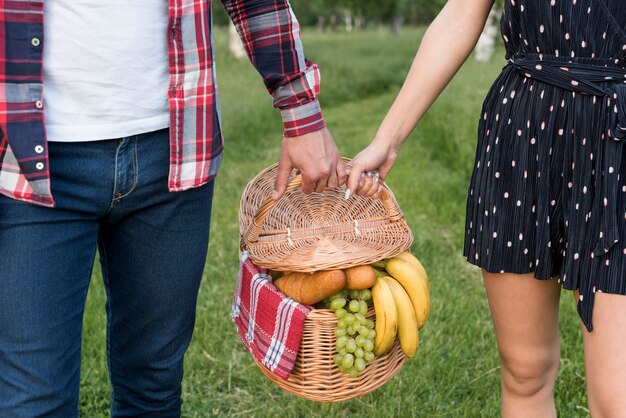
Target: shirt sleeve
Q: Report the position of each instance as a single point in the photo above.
(271, 37)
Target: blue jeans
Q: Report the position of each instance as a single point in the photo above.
(111, 195)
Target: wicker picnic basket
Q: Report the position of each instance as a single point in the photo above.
(317, 232)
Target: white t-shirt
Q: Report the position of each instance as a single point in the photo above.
(105, 68)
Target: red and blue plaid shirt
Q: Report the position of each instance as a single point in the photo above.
(271, 37)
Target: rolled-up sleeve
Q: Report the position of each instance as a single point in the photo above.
(271, 37)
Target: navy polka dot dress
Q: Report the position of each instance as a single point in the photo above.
(548, 191)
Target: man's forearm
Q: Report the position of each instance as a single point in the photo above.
(271, 36)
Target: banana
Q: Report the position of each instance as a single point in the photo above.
(386, 317)
(415, 285)
(408, 333)
(412, 260)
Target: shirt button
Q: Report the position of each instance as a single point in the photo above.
(35, 41)
(39, 166)
(38, 149)
(39, 104)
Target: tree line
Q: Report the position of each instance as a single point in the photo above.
(348, 15)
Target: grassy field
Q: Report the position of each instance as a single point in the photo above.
(456, 371)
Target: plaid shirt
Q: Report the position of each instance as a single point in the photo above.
(270, 34)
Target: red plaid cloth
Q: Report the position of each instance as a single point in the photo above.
(269, 323)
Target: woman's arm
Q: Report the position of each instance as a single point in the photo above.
(446, 45)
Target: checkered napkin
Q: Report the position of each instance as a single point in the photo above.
(269, 324)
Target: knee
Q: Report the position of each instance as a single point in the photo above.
(527, 373)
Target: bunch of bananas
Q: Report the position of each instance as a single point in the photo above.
(401, 296)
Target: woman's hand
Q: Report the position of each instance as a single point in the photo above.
(369, 169)
(446, 45)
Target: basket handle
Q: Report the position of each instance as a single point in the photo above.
(252, 233)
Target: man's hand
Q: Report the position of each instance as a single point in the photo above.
(317, 158)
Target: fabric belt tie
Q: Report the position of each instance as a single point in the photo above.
(589, 78)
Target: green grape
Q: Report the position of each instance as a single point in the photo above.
(351, 345)
(348, 361)
(343, 351)
(369, 323)
(353, 373)
(359, 353)
(365, 295)
(340, 313)
(360, 341)
(362, 307)
(334, 296)
(354, 306)
(342, 323)
(341, 342)
(350, 319)
(345, 293)
(351, 330)
(360, 318)
(368, 356)
(359, 364)
(338, 304)
(341, 332)
(344, 369)
(372, 334)
(354, 294)
(337, 358)
(368, 345)
(364, 331)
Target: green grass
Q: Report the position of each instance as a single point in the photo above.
(456, 371)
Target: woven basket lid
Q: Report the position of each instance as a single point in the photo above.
(319, 231)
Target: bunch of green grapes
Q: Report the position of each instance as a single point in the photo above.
(354, 333)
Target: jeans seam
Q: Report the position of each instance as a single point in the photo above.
(136, 172)
(104, 264)
(113, 199)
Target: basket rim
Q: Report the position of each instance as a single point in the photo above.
(306, 222)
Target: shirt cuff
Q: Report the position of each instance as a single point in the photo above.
(302, 119)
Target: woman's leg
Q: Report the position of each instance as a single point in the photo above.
(525, 316)
(605, 357)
